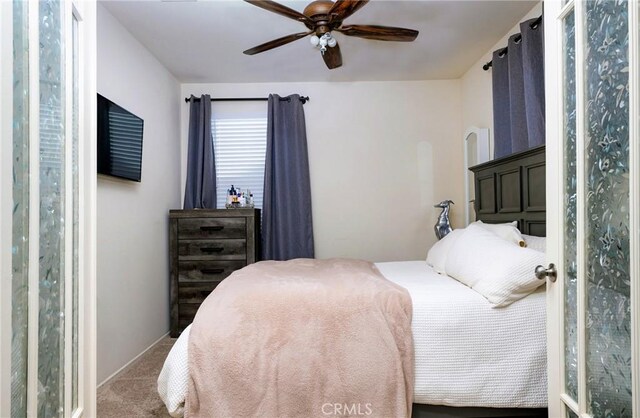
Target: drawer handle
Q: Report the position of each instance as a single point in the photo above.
(212, 271)
(212, 249)
(211, 228)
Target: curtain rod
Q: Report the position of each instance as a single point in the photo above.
(518, 38)
(303, 99)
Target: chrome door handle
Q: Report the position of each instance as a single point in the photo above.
(551, 273)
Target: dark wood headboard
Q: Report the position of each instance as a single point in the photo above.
(512, 188)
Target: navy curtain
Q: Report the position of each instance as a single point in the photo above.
(517, 105)
(501, 105)
(200, 190)
(533, 72)
(287, 226)
(518, 91)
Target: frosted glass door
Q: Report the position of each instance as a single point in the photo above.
(48, 108)
(607, 270)
(52, 280)
(570, 196)
(593, 155)
(20, 210)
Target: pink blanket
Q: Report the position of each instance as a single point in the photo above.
(302, 338)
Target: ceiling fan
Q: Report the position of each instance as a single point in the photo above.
(322, 17)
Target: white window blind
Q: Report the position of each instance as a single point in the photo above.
(240, 144)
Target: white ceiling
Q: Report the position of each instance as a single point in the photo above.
(202, 41)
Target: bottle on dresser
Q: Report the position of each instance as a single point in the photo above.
(249, 198)
(229, 198)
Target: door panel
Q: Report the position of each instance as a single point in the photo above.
(47, 108)
(608, 280)
(570, 231)
(20, 212)
(52, 278)
(75, 201)
(589, 59)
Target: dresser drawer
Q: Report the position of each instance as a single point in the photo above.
(212, 249)
(186, 312)
(207, 271)
(188, 309)
(212, 228)
(181, 324)
(195, 292)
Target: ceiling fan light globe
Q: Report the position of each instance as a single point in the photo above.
(332, 42)
(314, 40)
(323, 41)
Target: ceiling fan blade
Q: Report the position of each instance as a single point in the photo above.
(332, 57)
(342, 9)
(276, 43)
(280, 9)
(380, 33)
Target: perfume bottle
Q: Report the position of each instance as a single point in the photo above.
(229, 198)
(249, 199)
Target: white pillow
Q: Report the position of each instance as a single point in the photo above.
(437, 255)
(508, 231)
(497, 269)
(536, 243)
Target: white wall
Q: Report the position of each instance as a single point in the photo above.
(380, 154)
(477, 94)
(132, 270)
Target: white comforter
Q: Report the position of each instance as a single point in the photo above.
(466, 352)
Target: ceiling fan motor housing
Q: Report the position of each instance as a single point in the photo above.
(318, 11)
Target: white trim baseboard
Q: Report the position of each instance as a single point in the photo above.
(130, 362)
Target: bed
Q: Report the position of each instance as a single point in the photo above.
(470, 359)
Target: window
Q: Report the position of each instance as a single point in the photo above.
(239, 131)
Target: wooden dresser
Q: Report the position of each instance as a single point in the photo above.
(205, 247)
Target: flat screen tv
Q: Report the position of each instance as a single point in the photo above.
(119, 141)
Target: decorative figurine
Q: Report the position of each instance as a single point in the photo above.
(443, 226)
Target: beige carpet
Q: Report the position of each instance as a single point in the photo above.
(133, 392)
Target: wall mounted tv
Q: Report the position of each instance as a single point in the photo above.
(119, 141)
